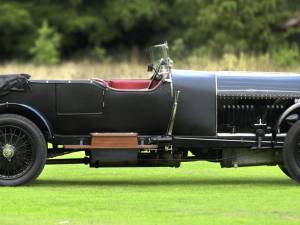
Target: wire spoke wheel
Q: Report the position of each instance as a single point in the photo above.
(16, 152)
(23, 150)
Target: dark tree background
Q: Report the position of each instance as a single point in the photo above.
(205, 26)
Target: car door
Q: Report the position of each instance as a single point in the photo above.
(79, 98)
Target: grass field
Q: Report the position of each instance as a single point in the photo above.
(196, 193)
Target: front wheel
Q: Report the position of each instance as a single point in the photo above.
(291, 152)
(23, 150)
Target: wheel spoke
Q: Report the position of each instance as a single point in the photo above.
(16, 152)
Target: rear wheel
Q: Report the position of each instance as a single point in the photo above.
(291, 152)
(23, 150)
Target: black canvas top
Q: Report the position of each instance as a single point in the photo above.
(13, 82)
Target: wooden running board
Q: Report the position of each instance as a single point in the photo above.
(112, 141)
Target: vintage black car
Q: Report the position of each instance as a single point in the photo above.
(232, 118)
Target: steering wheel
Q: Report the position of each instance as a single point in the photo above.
(156, 76)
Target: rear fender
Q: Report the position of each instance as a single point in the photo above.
(30, 113)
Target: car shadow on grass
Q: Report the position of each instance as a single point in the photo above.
(169, 182)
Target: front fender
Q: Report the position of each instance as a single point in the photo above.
(285, 114)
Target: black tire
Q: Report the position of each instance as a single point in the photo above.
(23, 150)
(284, 170)
(291, 152)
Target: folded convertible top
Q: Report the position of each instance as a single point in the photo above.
(13, 82)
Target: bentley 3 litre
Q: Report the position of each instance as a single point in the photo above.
(233, 118)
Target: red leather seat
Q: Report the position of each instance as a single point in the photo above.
(127, 84)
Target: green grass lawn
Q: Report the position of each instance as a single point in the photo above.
(196, 193)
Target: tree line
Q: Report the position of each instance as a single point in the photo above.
(75, 28)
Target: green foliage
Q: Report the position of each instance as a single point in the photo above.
(46, 46)
(214, 27)
(233, 26)
(178, 48)
(286, 56)
(100, 54)
(16, 28)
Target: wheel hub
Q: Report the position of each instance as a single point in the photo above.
(8, 151)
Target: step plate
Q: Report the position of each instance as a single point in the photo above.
(112, 141)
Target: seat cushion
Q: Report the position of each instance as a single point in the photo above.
(128, 84)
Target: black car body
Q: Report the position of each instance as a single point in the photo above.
(234, 118)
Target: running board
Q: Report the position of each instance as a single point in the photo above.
(113, 141)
